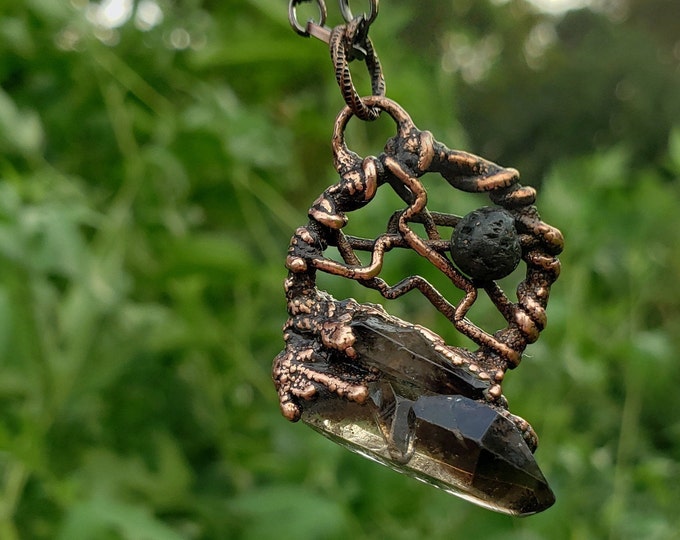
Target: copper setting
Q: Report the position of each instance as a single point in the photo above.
(389, 389)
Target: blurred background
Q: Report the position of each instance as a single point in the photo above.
(155, 157)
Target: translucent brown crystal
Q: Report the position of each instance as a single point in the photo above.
(426, 417)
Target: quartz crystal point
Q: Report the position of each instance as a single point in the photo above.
(426, 417)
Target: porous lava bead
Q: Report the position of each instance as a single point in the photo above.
(485, 244)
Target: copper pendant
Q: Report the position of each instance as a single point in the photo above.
(394, 391)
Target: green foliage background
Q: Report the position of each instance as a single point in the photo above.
(150, 178)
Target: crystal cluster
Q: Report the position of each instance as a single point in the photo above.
(427, 417)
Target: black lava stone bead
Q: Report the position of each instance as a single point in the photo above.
(485, 244)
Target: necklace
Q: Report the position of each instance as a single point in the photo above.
(389, 389)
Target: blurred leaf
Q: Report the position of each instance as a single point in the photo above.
(674, 149)
(284, 512)
(100, 518)
(20, 130)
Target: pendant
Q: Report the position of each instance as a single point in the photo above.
(394, 391)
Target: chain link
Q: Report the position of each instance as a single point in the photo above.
(340, 44)
(295, 23)
(347, 12)
(347, 42)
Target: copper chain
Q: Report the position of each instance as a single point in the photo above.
(347, 42)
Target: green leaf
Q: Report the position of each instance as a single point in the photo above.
(100, 517)
(674, 149)
(288, 513)
(20, 130)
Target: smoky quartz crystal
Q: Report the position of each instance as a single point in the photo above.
(427, 417)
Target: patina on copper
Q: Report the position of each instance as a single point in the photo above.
(341, 371)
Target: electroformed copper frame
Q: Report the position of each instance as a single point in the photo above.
(319, 326)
